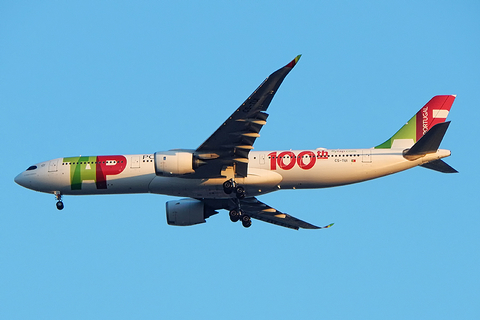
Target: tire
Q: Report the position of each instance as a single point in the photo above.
(228, 187)
(240, 191)
(234, 215)
(60, 205)
(247, 223)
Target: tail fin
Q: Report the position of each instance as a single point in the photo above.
(435, 111)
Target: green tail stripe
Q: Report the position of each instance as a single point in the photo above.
(408, 131)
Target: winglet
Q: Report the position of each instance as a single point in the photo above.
(293, 62)
(331, 224)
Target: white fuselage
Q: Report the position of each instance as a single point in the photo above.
(267, 171)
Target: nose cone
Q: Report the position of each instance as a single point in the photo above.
(23, 180)
(20, 180)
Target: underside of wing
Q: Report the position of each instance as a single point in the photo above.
(231, 143)
(261, 211)
(256, 209)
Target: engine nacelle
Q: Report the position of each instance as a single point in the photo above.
(168, 163)
(187, 212)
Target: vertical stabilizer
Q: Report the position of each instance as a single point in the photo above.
(435, 111)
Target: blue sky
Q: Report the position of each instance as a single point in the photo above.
(117, 77)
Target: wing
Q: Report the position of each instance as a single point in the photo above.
(261, 211)
(233, 140)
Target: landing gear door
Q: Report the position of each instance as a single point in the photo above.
(53, 165)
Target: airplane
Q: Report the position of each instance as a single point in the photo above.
(225, 173)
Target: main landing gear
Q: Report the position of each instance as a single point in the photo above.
(237, 214)
(230, 186)
(58, 196)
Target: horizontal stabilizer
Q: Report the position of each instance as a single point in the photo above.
(429, 143)
(439, 165)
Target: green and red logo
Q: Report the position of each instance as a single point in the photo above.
(94, 169)
(434, 112)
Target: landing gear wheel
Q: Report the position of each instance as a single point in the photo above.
(234, 215)
(240, 191)
(246, 221)
(228, 186)
(60, 205)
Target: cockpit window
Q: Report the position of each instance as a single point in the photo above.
(32, 168)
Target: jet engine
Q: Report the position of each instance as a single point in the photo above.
(187, 212)
(168, 163)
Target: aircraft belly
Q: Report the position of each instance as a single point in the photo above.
(193, 188)
(257, 182)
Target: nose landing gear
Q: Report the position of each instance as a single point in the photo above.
(58, 196)
(60, 205)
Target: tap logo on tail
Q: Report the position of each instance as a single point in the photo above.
(435, 111)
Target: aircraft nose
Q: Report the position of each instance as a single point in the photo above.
(22, 180)
(19, 180)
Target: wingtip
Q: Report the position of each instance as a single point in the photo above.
(325, 227)
(294, 62)
(331, 224)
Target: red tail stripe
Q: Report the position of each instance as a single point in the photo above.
(425, 119)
